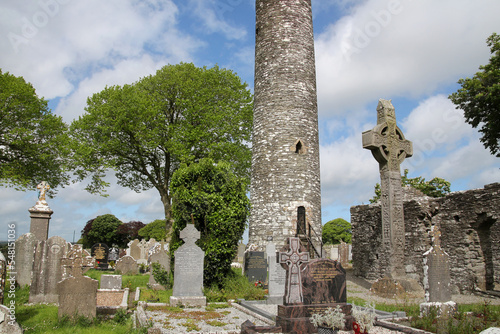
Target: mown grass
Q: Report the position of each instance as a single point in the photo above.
(42, 318)
(128, 281)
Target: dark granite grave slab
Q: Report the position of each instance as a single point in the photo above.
(323, 282)
(100, 252)
(256, 266)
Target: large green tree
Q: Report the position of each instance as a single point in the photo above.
(102, 229)
(145, 130)
(155, 229)
(479, 98)
(336, 230)
(215, 198)
(437, 187)
(32, 139)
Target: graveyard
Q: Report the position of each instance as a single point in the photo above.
(416, 264)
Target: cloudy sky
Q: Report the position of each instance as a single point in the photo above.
(412, 52)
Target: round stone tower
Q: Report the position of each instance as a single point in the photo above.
(285, 189)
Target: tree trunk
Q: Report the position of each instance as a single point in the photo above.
(166, 200)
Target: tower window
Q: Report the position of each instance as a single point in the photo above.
(299, 147)
(301, 220)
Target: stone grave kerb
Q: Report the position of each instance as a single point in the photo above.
(291, 260)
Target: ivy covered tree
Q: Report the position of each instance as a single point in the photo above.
(33, 141)
(336, 230)
(102, 229)
(215, 198)
(155, 229)
(145, 130)
(479, 98)
(437, 187)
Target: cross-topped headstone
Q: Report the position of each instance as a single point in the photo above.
(291, 261)
(77, 260)
(390, 148)
(190, 234)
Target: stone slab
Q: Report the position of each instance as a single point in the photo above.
(25, 252)
(111, 282)
(255, 266)
(78, 296)
(127, 265)
(188, 301)
(323, 282)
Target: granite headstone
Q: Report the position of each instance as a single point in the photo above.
(100, 252)
(255, 266)
(277, 276)
(25, 252)
(127, 265)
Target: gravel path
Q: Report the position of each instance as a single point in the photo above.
(229, 320)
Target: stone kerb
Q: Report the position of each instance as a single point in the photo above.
(188, 273)
(25, 252)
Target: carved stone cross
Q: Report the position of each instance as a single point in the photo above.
(390, 148)
(291, 261)
(190, 234)
(76, 260)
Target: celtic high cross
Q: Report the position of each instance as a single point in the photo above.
(291, 261)
(390, 148)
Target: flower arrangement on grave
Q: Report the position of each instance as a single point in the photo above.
(364, 318)
(259, 284)
(332, 318)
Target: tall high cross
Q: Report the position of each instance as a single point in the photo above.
(390, 148)
(291, 261)
(285, 144)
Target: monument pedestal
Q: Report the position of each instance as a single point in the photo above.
(296, 318)
(188, 301)
(40, 217)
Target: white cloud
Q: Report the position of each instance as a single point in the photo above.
(405, 50)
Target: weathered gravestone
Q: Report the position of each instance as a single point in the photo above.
(25, 252)
(76, 251)
(114, 254)
(3, 276)
(255, 266)
(77, 293)
(127, 265)
(188, 272)
(312, 286)
(8, 322)
(437, 278)
(161, 257)
(111, 282)
(277, 276)
(389, 147)
(343, 253)
(100, 252)
(47, 269)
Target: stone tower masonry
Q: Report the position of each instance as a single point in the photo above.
(285, 189)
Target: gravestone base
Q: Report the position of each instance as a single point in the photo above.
(296, 318)
(442, 309)
(188, 301)
(275, 300)
(387, 287)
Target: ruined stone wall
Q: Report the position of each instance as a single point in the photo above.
(285, 146)
(469, 222)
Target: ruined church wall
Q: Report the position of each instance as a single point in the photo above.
(469, 222)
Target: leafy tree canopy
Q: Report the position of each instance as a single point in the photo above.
(479, 98)
(216, 200)
(336, 230)
(155, 229)
(436, 187)
(129, 231)
(32, 139)
(145, 130)
(102, 229)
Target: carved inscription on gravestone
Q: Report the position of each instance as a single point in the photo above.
(324, 282)
(100, 252)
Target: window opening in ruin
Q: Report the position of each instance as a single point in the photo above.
(483, 228)
(301, 220)
(298, 147)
